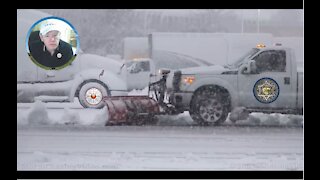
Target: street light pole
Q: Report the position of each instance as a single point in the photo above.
(258, 24)
(242, 25)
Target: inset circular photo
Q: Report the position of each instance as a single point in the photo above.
(52, 43)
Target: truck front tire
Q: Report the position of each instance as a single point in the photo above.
(91, 94)
(210, 105)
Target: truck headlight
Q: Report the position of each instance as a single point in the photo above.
(188, 80)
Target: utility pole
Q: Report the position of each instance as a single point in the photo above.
(242, 21)
(258, 23)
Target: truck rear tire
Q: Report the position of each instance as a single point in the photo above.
(91, 94)
(210, 106)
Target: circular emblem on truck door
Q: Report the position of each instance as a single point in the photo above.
(266, 90)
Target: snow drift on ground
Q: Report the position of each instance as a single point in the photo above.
(72, 113)
(65, 136)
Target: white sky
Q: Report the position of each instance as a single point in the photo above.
(265, 14)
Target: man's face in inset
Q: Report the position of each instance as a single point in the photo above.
(51, 40)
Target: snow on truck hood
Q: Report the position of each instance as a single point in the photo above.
(96, 61)
(215, 69)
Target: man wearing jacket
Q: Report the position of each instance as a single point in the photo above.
(51, 52)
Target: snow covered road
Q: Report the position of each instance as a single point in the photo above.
(64, 136)
(159, 147)
(71, 138)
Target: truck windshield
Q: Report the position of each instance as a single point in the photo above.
(249, 54)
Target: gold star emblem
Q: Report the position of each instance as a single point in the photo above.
(266, 90)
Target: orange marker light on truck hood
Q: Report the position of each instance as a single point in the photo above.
(189, 80)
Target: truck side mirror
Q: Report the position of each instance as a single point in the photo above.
(121, 67)
(253, 67)
(249, 68)
(101, 74)
(245, 69)
(164, 71)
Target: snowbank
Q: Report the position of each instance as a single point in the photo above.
(39, 113)
(42, 114)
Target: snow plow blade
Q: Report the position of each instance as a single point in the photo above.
(130, 109)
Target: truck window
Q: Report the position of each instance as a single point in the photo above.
(240, 60)
(274, 61)
(145, 66)
(138, 66)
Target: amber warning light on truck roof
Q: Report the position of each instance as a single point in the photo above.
(261, 46)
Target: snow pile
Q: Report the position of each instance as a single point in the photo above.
(45, 114)
(295, 120)
(238, 113)
(100, 118)
(84, 117)
(271, 120)
(274, 119)
(241, 118)
(182, 119)
(73, 114)
(70, 117)
(252, 120)
(38, 114)
(21, 117)
(25, 93)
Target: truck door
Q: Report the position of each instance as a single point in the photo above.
(57, 82)
(64, 74)
(271, 86)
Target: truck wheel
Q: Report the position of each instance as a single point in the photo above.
(91, 94)
(210, 106)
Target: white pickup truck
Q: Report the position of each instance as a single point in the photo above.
(263, 80)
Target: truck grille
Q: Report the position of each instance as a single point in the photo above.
(176, 81)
